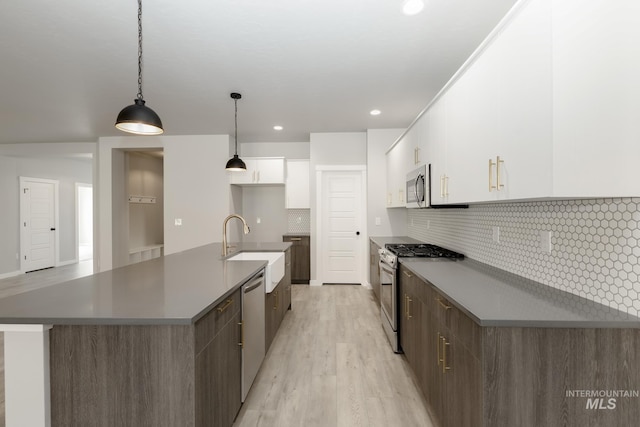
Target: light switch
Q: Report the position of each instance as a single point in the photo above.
(178, 221)
(378, 222)
(258, 220)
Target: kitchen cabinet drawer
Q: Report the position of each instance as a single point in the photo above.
(211, 323)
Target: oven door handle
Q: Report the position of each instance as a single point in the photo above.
(385, 267)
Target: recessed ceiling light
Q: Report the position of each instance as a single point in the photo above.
(412, 7)
(278, 127)
(375, 112)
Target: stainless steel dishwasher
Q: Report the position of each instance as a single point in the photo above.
(252, 330)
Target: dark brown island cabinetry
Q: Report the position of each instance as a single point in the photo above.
(278, 302)
(300, 257)
(489, 376)
(374, 269)
(148, 375)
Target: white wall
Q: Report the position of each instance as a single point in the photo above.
(345, 148)
(196, 189)
(67, 163)
(393, 222)
(266, 203)
(289, 150)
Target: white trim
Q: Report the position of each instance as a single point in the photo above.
(10, 274)
(320, 169)
(27, 378)
(56, 218)
(69, 262)
(77, 211)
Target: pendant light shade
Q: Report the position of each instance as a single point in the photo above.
(137, 118)
(235, 164)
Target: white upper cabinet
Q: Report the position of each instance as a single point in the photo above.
(396, 176)
(260, 170)
(596, 91)
(297, 184)
(498, 116)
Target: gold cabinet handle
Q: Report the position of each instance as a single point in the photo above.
(499, 161)
(491, 186)
(442, 186)
(409, 300)
(295, 239)
(407, 274)
(446, 185)
(225, 306)
(445, 344)
(443, 304)
(439, 342)
(406, 306)
(241, 343)
(275, 303)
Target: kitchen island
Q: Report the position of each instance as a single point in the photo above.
(150, 344)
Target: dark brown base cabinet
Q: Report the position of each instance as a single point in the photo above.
(277, 303)
(300, 258)
(155, 375)
(374, 269)
(509, 376)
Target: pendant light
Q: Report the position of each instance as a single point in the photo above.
(235, 163)
(138, 118)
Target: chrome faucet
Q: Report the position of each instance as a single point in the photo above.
(224, 231)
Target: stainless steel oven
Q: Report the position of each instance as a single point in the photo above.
(388, 297)
(389, 281)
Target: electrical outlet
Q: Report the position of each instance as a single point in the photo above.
(496, 234)
(412, 222)
(258, 220)
(378, 222)
(178, 221)
(428, 224)
(545, 241)
(299, 220)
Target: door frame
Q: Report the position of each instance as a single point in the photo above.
(79, 185)
(56, 218)
(320, 171)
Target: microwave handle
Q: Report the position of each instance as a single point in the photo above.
(415, 189)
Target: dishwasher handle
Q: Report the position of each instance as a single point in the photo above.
(255, 282)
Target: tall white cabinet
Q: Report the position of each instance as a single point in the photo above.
(297, 184)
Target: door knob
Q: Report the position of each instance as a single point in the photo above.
(357, 233)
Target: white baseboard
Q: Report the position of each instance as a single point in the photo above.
(367, 285)
(71, 261)
(11, 274)
(315, 283)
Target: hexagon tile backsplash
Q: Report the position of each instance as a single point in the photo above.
(595, 244)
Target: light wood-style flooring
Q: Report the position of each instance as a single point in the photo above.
(331, 365)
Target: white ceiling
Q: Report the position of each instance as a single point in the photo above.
(69, 66)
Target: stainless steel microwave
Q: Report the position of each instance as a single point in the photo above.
(417, 188)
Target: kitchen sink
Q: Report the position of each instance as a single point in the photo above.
(274, 271)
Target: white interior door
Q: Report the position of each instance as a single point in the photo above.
(38, 199)
(341, 218)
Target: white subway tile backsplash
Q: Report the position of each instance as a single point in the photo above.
(595, 244)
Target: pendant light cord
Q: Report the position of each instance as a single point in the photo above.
(140, 50)
(235, 135)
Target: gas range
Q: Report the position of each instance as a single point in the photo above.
(422, 250)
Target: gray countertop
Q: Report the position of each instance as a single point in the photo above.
(174, 289)
(494, 297)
